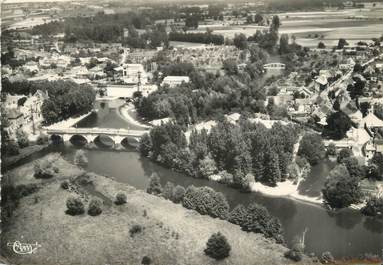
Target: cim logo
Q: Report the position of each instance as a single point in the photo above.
(24, 248)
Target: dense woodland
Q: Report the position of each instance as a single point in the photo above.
(241, 153)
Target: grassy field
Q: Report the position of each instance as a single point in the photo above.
(170, 233)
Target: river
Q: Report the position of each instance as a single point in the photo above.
(345, 233)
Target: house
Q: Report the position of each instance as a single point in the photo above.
(372, 147)
(321, 83)
(371, 122)
(173, 81)
(134, 74)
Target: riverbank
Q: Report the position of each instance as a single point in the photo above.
(25, 153)
(68, 122)
(170, 234)
(124, 112)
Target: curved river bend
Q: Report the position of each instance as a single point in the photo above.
(345, 233)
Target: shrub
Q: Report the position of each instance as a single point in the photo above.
(44, 169)
(344, 153)
(217, 247)
(22, 138)
(327, 257)
(178, 194)
(294, 255)
(226, 177)
(373, 207)
(258, 220)
(65, 185)
(42, 139)
(206, 201)
(135, 229)
(12, 148)
(238, 215)
(120, 198)
(154, 185)
(331, 149)
(167, 192)
(146, 261)
(95, 207)
(75, 206)
(80, 158)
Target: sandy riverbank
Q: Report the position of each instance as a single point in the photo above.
(124, 113)
(68, 122)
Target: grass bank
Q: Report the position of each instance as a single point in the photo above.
(170, 233)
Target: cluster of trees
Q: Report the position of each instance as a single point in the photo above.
(311, 147)
(153, 37)
(338, 123)
(209, 95)
(242, 153)
(253, 218)
(66, 99)
(206, 37)
(267, 39)
(342, 188)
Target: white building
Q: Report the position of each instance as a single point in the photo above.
(134, 73)
(173, 81)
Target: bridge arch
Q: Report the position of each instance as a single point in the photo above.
(130, 141)
(78, 140)
(56, 139)
(104, 141)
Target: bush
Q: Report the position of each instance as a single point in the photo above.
(258, 220)
(120, 198)
(146, 261)
(373, 207)
(65, 185)
(238, 215)
(206, 201)
(22, 138)
(80, 158)
(326, 257)
(42, 139)
(178, 194)
(11, 148)
(95, 207)
(344, 153)
(135, 229)
(217, 247)
(331, 150)
(294, 255)
(154, 185)
(75, 206)
(44, 169)
(167, 192)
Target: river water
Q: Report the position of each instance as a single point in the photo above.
(345, 233)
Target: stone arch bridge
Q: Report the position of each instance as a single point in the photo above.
(274, 66)
(90, 134)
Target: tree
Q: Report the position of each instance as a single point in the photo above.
(272, 170)
(154, 185)
(22, 138)
(207, 167)
(258, 220)
(230, 67)
(331, 149)
(321, 45)
(145, 146)
(275, 24)
(178, 194)
(75, 206)
(312, 148)
(95, 207)
(340, 189)
(341, 43)
(240, 41)
(80, 158)
(373, 207)
(338, 123)
(238, 215)
(353, 167)
(120, 198)
(167, 191)
(284, 44)
(217, 247)
(343, 154)
(206, 201)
